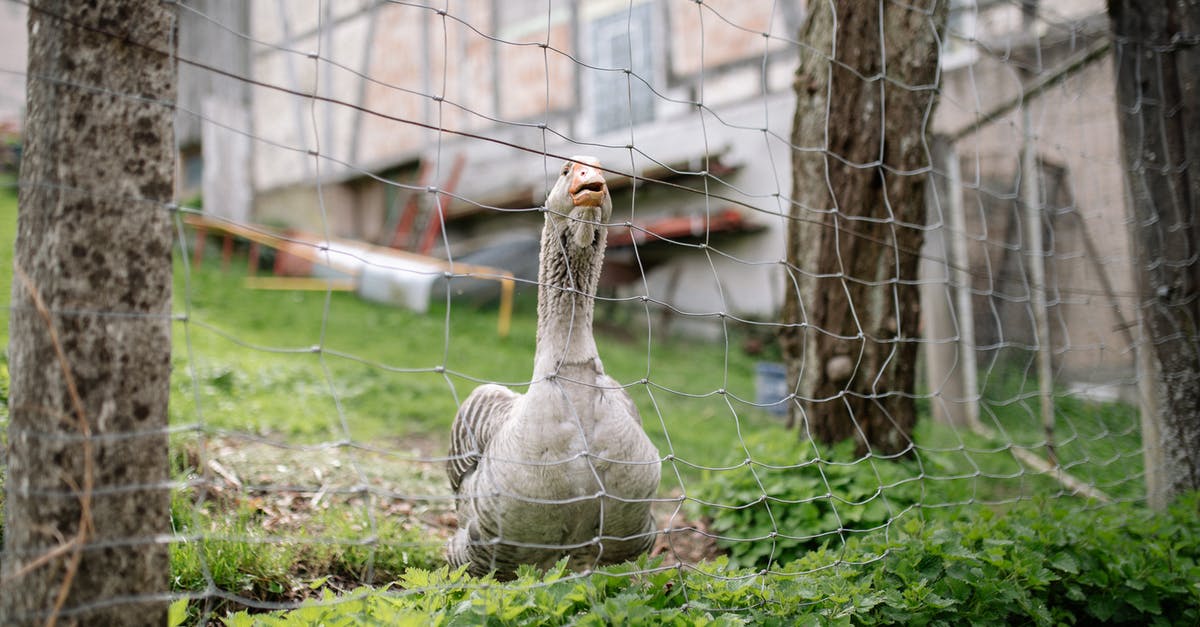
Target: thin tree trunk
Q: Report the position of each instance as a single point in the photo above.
(860, 132)
(87, 500)
(1158, 98)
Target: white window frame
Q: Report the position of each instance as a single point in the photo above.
(605, 108)
(960, 50)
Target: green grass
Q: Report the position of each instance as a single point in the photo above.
(1096, 442)
(245, 365)
(248, 361)
(374, 379)
(8, 235)
(320, 545)
(305, 368)
(1040, 564)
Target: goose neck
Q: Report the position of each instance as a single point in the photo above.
(567, 281)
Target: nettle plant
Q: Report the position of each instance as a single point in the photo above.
(1041, 563)
(786, 499)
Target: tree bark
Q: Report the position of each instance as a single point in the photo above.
(88, 499)
(858, 174)
(1157, 58)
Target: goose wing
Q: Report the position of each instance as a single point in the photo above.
(478, 419)
(614, 392)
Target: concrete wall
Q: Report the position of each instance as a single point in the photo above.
(13, 44)
(481, 70)
(429, 70)
(482, 73)
(212, 122)
(1087, 256)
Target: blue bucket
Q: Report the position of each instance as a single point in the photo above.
(770, 387)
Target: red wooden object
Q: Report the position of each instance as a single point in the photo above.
(198, 249)
(678, 228)
(434, 228)
(226, 252)
(252, 260)
(411, 208)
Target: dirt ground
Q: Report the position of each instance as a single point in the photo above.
(289, 484)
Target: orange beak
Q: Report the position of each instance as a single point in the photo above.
(587, 186)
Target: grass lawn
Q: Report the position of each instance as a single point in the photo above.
(310, 368)
(8, 235)
(303, 397)
(318, 421)
(314, 367)
(1097, 442)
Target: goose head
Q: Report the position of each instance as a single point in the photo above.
(579, 203)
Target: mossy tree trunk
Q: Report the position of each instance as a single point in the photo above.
(87, 494)
(1157, 57)
(866, 90)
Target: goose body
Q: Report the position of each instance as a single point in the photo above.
(565, 469)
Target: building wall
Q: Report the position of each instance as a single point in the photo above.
(13, 45)
(506, 90)
(1085, 230)
(502, 91)
(517, 84)
(482, 66)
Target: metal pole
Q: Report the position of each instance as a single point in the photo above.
(1031, 200)
(961, 278)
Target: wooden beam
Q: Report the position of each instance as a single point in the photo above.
(311, 248)
(1096, 51)
(304, 283)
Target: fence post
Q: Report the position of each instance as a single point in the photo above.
(961, 275)
(1159, 120)
(1031, 202)
(952, 367)
(88, 501)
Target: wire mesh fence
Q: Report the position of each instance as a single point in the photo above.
(357, 218)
